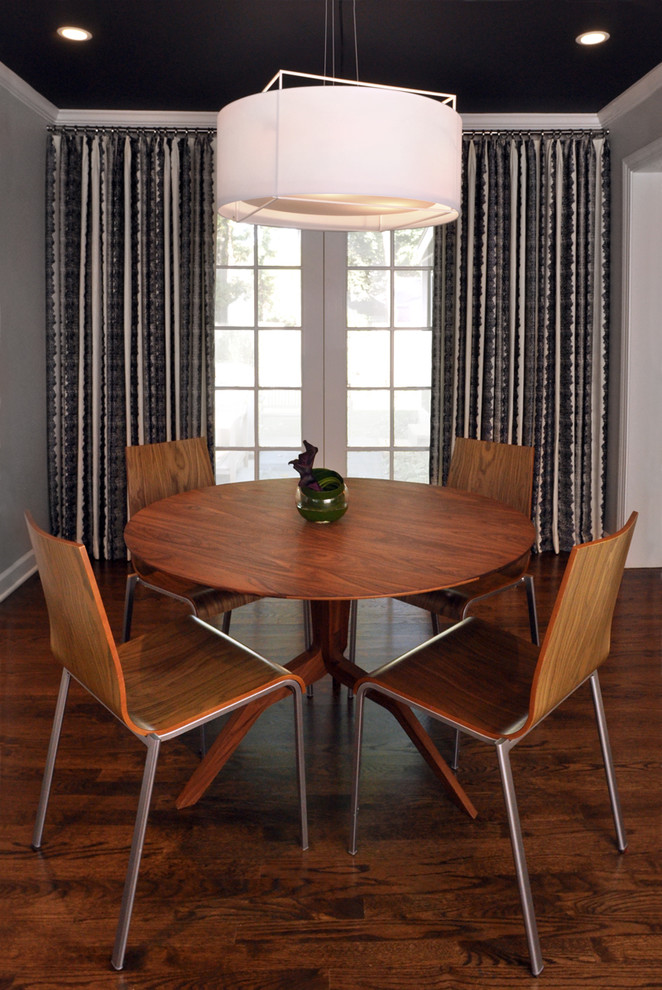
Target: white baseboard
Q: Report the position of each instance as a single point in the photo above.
(14, 576)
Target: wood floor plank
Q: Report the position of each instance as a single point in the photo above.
(226, 899)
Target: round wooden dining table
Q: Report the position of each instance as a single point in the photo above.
(396, 539)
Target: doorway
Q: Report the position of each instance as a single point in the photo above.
(325, 336)
(641, 412)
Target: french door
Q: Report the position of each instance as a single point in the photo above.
(322, 336)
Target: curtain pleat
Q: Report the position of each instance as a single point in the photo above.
(130, 313)
(521, 319)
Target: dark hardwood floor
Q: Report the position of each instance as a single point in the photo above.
(227, 899)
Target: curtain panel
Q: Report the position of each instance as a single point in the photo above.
(520, 326)
(130, 247)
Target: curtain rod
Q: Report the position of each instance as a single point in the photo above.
(542, 132)
(128, 129)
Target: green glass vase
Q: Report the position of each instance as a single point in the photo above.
(323, 506)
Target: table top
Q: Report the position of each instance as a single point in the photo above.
(396, 538)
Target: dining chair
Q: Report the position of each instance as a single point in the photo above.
(501, 471)
(497, 687)
(155, 471)
(182, 675)
(504, 472)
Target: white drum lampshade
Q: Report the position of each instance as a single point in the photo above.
(339, 157)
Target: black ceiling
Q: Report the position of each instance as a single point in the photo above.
(498, 56)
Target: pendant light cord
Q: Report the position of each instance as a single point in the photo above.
(356, 43)
(329, 17)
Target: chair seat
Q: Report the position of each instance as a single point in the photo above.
(207, 601)
(473, 674)
(451, 602)
(185, 670)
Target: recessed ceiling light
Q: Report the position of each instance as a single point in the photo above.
(74, 33)
(592, 37)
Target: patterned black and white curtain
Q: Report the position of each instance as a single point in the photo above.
(130, 313)
(521, 319)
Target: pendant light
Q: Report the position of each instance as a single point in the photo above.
(339, 154)
(347, 156)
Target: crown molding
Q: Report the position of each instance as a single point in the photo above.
(530, 121)
(470, 121)
(136, 118)
(632, 97)
(18, 88)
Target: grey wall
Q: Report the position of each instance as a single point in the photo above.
(23, 481)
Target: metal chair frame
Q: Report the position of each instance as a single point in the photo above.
(177, 678)
(153, 743)
(507, 687)
(503, 749)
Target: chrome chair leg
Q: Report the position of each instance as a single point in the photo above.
(50, 759)
(523, 882)
(608, 762)
(351, 641)
(533, 613)
(457, 742)
(307, 625)
(301, 766)
(356, 770)
(153, 744)
(307, 637)
(353, 620)
(131, 582)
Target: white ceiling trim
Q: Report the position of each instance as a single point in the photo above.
(529, 121)
(13, 84)
(632, 97)
(136, 118)
(470, 121)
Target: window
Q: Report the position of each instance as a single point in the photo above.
(327, 337)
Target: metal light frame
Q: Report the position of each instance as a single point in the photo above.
(345, 155)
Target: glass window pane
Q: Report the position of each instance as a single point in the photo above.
(369, 358)
(234, 358)
(411, 465)
(367, 464)
(412, 299)
(413, 247)
(278, 246)
(368, 298)
(279, 298)
(234, 244)
(235, 418)
(411, 418)
(368, 248)
(368, 418)
(234, 298)
(234, 465)
(279, 358)
(279, 418)
(275, 464)
(412, 356)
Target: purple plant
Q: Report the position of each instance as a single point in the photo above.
(304, 465)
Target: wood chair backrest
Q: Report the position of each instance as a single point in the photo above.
(157, 470)
(81, 638)
(502, 471)
(578, 636)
